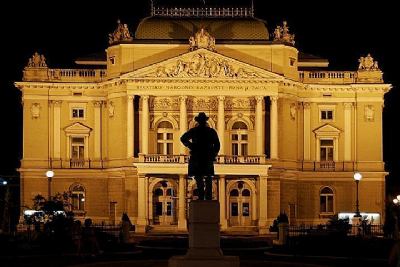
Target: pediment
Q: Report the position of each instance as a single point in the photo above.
(202, 63)
(327, 130)
(78, 128)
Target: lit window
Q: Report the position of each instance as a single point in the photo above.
(112, 60)
(78, 148)
(78, 113)
(326, 114)
(326, 150)
(165, 138)
(239, 139)
(77, 198)
(326, 201)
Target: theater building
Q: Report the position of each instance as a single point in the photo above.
(292, 132)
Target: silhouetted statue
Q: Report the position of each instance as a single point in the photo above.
(204, 146)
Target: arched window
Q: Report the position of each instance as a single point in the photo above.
(240, 139)
(158, 192)
(326, 201)
(77, 197)
(234, 193)
(246, 193)
(165, 138)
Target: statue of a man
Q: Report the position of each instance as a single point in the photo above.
(204, 146)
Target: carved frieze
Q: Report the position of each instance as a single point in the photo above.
(203, 65)
(164, 103)
(241, 103)
(203, 103)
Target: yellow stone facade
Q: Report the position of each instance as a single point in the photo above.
(291, 138)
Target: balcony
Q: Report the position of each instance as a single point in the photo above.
(328, 77)
(64, 75)
(328, 166)
(156, 158)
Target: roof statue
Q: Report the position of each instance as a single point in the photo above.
(202, 39)
(37, 61)
(367, 63)
(120, 34)
(282, 34)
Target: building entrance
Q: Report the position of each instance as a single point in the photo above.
(240, 205)
(164, 208)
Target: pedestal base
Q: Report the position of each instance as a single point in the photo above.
(186, 261)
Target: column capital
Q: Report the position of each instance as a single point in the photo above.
(221, 98)
(130, 97)
(306, 105)
(348, 105)
(97, 104)
(183, 98)
(56, 103)
(259, 98)
(273, 98)
(145, 97)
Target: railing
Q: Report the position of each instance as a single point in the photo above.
(362, 230)
(328, 77)
(327, 166)
(157, 158)
(79, 163)
(64, 75)
(87, 75)
(212, 12)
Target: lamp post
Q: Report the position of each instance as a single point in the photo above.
(357, 177)
(49, 175)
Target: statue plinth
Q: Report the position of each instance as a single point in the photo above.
(204, 238)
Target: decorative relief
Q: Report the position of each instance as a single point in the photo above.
(293, 111)
(368, 64)
(97, 104)
(37, 61)
(111, 109)
(348, 105)
(177, 118)
(164, 103)
(204, 66)
(282, 34)
(239, 103)
(369, 113)
(253, 119)
(35, 110)
(202, 39)
(121, 33)
(204, 103)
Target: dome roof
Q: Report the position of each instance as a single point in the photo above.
(164, 28)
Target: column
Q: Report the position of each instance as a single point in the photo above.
(57, 129)
(347, 131)
(129, 134)
(145, 124)
(306, 131)
(221, 123)
(141, 223)
(222, 202)
(259, 126)
(182, 122)
(262, 220)
(274, 127)
(182, 225)
(97, 129)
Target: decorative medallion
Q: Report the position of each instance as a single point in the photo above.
(35, 110)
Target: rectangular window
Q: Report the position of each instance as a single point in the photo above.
(326, 114)
(78, 113)
(78, 148)
(235, 149)
(326, 150)
(234, 209)
(246, 209)
(78, 201)
(244, 149)
(158, 208)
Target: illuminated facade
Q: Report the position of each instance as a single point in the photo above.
(292, 132)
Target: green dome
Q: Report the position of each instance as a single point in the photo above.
(161, 28)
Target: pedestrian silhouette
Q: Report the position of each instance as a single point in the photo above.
(204, 146)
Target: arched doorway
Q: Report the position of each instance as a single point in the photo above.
(164, 204)
(240, 208)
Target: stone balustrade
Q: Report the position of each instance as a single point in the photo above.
(328, 77)
(64, 75)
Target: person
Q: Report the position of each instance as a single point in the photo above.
(204, 146)
(77, 236)
(89, 238)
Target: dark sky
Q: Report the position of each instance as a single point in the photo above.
(341, 31)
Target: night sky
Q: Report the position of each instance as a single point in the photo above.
(341, 31)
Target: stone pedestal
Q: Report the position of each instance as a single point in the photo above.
(204, 238)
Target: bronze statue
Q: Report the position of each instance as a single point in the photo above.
(204, 146)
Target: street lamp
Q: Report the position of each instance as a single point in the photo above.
(357, 177)
(49, 175)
